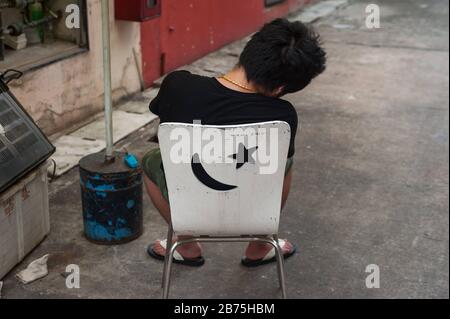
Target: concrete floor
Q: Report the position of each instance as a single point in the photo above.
(370, 186)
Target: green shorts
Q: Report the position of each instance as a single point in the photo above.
(153, 168)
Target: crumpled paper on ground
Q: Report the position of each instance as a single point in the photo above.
(35, 270)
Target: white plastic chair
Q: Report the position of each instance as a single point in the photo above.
(217, 199)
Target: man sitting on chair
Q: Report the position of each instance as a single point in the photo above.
(283, 57)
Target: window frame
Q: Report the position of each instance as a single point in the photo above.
(82, 46)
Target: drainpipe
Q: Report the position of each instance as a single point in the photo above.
(107, 81)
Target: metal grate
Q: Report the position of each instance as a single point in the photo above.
(22, 145)
(5, 155)
(8, 117)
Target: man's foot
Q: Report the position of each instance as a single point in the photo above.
(187, 254)
(260, 253)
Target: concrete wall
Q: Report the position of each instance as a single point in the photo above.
(64, 93)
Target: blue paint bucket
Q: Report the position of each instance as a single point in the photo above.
(111, 194)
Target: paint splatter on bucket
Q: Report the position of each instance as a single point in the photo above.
(112, 199)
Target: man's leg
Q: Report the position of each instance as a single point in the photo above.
(158, 199)
(190, 251)
(257, 250)
(286, 188)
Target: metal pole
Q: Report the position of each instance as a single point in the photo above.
(107, 81)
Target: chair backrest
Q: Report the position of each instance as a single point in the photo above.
(225, 180)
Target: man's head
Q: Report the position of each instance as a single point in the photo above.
(283, 57)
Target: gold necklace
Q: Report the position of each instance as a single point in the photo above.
(237, 84)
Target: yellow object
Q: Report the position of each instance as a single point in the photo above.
(238, 84)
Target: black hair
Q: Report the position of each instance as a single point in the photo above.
(283, 54)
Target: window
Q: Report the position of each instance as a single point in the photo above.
(33, 33)
(270, 3)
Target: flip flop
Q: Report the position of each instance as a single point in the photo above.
(270, 257)
(177, 258)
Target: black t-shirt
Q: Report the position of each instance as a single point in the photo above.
(185, 97)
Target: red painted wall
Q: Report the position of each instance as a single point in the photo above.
(190, 29)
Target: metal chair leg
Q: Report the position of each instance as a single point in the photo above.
(169, 245)
(272, 241)
(168, 271)
(280, 266)
(275, 237)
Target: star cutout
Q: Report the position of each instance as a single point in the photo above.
(244, 155)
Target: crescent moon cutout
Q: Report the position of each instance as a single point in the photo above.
(205, 178)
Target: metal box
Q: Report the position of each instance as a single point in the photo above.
(137, 10)
(23, 146)
(24, 218)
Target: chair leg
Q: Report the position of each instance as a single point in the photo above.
(168, 271)
(171, 248)
(168, 247)
(280, 266)
(275, 237)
